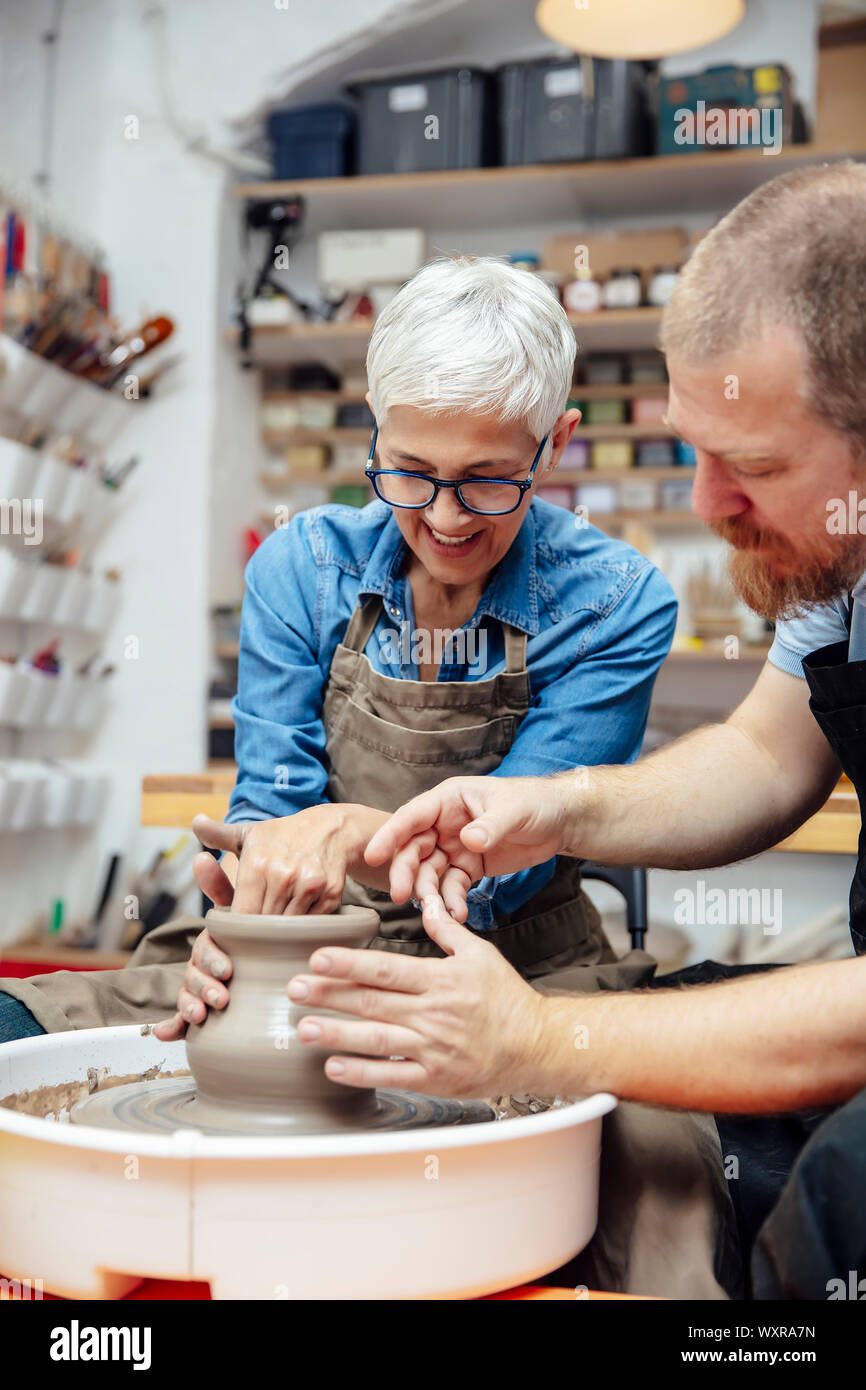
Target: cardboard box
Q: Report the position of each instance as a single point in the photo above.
(609, 251)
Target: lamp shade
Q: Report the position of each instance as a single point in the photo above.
(637, 28)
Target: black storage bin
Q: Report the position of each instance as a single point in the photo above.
(396, 133)
(624, 127)
(546, 111)
(312, 142)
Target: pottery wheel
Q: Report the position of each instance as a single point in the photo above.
(170, 1104)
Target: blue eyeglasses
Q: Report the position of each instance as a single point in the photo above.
(484, 496)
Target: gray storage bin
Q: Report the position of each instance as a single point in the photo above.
(546, 111)
(425, 121)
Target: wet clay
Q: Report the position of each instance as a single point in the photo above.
(253, 1075)
(251, 1069)
(56, 1100)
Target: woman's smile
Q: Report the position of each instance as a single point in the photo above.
(452, 546)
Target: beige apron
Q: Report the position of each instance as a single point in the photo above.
(664, 1207)
(389, 739)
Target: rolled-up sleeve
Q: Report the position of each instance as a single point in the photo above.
(279, 733)
(795, 638)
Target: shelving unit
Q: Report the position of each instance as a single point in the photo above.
(277, 439)
(608, 329)
(582, 195)
(694, 182)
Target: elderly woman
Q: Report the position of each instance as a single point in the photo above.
(457, 624)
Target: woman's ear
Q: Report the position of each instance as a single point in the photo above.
(560, 435)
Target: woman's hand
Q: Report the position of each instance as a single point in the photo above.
(464, 1026)
(293, 865)
(482, 826)
(202, 988)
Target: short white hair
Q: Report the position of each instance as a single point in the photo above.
(473, 334)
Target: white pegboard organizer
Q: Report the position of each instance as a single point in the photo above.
(39, 399)
(32, 699)
(35, 392)
(69, 497)
(56, 594)
(37, 795)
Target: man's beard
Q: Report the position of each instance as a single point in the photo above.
(797, 579)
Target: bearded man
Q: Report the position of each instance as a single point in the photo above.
(737, 1162)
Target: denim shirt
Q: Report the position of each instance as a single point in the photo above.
(598, 615)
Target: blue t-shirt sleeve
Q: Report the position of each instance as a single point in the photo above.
(594, 712)
(797, 637)
(279, 733)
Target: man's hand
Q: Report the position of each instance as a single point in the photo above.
(464, 1026)
(483, 826)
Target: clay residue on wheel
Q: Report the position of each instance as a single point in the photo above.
(43, 1101)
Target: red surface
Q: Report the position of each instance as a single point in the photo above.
(22, 969)
(190, 1291)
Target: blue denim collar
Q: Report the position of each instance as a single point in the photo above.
(511, 596)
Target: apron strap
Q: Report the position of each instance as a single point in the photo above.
(515, 649)
(362, 623)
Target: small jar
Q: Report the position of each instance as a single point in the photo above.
(582, 295)
(662, 285)
(622, 290)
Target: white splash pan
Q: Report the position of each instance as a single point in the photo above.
(435, 1213)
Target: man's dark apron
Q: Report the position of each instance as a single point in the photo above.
(838, 701)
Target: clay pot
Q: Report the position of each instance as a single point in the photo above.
(251, 1070)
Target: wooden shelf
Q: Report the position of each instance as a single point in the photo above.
(676, 472)
(621, 391)
(170, 801)
(174, 800)
(714, 651)
(606, 330)
(835, 829)
(461, 198)
(276, 481)
(334, 435)
(279, 439)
